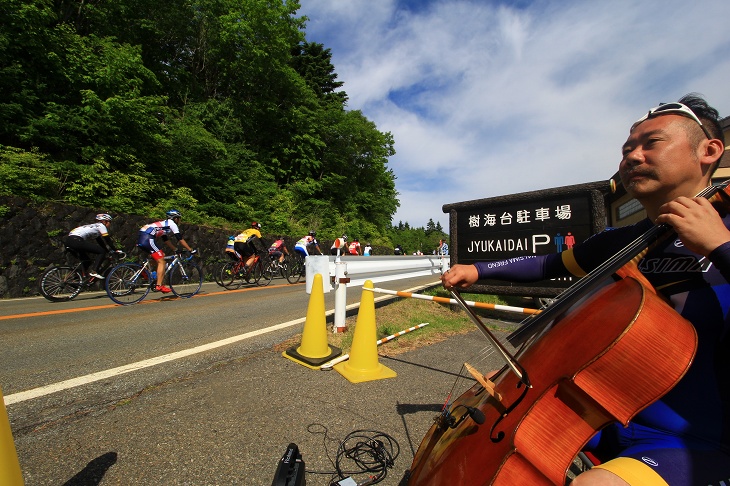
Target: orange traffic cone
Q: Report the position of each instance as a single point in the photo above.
(10, 473)
(363, 363)
(314, 350)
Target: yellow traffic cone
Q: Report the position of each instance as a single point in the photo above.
(363, 363)
(10, 473)
(314, 350)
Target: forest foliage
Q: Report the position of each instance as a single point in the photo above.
(220, 108)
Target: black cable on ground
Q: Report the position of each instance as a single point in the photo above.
(369, 452)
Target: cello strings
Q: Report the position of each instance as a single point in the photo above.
(479, 357)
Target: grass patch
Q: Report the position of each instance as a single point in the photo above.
(443, 321)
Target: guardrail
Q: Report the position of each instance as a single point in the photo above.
(340, 272)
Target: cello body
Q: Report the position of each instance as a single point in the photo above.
(605, 360)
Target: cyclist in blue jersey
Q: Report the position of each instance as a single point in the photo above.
(147, 241)
(683, 439)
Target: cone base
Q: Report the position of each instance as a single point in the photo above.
(354, 375)
(309, 362)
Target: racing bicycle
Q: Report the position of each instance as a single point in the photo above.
(234, 273)
(295, 267)
(129, 283)
(60, 283)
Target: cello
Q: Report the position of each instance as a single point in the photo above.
(526, 424)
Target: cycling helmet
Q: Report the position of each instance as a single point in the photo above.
(103, 217)
(312, 233)
(256, 225)
(173, 213)
(344, 237)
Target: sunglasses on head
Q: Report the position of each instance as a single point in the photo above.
(675, 109)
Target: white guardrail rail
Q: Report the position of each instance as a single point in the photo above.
(341, 272)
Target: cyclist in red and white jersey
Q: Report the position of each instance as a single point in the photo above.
(278, 249)
(354, 247)
(80, 239)
(147, 241)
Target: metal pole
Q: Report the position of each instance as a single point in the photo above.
(341, 281)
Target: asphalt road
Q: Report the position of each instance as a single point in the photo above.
(97, 395)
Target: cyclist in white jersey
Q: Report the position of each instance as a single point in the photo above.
(92, 238)
(302, 246)
(147, 242)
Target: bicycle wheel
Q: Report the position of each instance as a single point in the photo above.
(254, 275)
(296, 270)
(186, 278)
(284, 268)
(229, 275)
(278, 269)
(62, 283)
(217, 267)
(263, 272)
(128, 283)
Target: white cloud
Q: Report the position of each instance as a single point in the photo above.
(484, 98)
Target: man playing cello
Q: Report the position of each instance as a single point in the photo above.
(683, 439)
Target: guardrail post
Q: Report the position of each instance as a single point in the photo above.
(317, 264)
(444, 265)
(341, 282)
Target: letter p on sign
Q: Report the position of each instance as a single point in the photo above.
(538, 240)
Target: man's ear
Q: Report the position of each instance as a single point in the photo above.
(713, 150)
(710, 152)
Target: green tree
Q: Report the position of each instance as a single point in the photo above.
(314, 63)
(219, 107)
(430, 227)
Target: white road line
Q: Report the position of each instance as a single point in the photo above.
(101, 375)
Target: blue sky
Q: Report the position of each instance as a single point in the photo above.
(487, 98)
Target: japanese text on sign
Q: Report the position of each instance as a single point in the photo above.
(522, 216)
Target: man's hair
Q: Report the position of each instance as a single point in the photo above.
(708, 115)
(710, 118)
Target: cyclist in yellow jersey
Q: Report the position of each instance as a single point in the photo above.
(243, 243)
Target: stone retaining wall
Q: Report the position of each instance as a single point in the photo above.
(31, 239)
